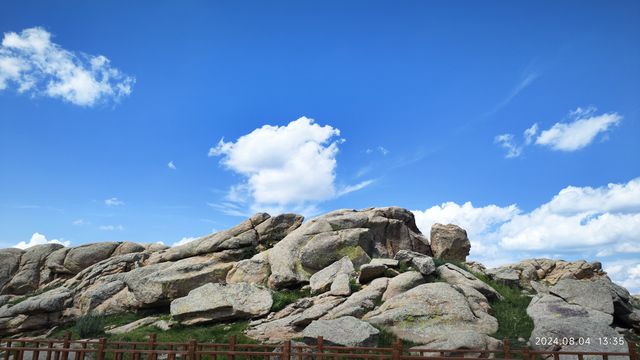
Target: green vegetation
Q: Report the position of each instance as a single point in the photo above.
(354, 285)
(386, 339)
(283, 298)
(89, 326)
(403, 267)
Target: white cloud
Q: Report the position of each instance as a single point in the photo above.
(35, 65)
(356, 187)
(381, 149)
(530, 133)
(580, 132)
(80, 222)
(114, 201)
(576, 222)
(39, 239)
(285, 167)
(507, 141)
(111, 227)
(184, 240)
(625, 272)
(171, 165)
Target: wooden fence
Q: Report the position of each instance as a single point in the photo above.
(66, 349)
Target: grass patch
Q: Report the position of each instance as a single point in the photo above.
(386, 339)
(403, 267)
(90, 326)
(283, 298)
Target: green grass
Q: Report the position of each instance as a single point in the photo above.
(354, 285)
(89, 326)
(386, 339)
(283, 298)
(403, 267)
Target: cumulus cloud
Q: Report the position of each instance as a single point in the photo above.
(285, 167)
(31, 63)
(184, 240)
(114, 201)
(171, 165)
(582, 128)
(40, 239)
(578, 221)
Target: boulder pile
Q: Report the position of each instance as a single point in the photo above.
(362, 272)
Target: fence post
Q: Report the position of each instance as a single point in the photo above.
(232, 347)
(525, 354)
(286, 350)
(102, 342)
(320, 348)
(65, 345)
(6, 353)
(152, 346)
(192, 349)
(506, 348)
(633, 350)
(397, 349)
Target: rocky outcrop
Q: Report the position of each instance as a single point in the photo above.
(360, 235)
(463, 340)
(449, 242)
(26, 279)
(546, 270)
(360, 302)
(37, 312)
(216, 302)
(426, 311)
(403, 282)
(456, 276)
(343, 331)
(423, 263)
(323, 279)
(9, 264)
(581, 309)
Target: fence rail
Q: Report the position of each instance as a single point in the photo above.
(66, 349)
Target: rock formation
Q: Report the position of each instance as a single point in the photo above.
(364, 270)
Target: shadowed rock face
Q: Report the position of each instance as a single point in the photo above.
(449, 242)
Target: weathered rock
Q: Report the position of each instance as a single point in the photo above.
(403, 282)
(456, 276)
(322, 280)
(426, 311)
(253, 271)
(27, 277)
(360, 235)
(369, 272)
(9, 263)
(505, 276)
(128, 248)
(556, 319)
(289, 323)
(585, 293)
(344, 331)
(133, 326)
(37, 312)
(464, 340)
(164, 325)
(551, 271)
(423, 263)
(215, 302)
(276, 228)
(340, 285)
(361, 302)
(81, 257)
(386, 262)
(449, 242)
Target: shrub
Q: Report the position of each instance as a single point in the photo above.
(283, 298)
(354, 285)
(89, 326)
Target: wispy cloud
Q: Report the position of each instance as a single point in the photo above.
(171, 165)
(578, 132)
(32, 64)
(80, 222)
(114, 201)
(527, 79)
(111, 227)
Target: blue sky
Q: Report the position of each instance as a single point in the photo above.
(527, 110)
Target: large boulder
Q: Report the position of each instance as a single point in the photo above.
(253, 271)
(344, 331)
(360, 235)
(361, 302)
(37, 312)
(554, 320)
(9, 263)
(423, 263)
(457, 276)
(449, 242)
(27, 277)
(216, 302)
(426, 311)
(459, 340)
(369, 272)
(403, 282)
(549, 270)
(81, 257)
(322, 280)
(585, 293)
